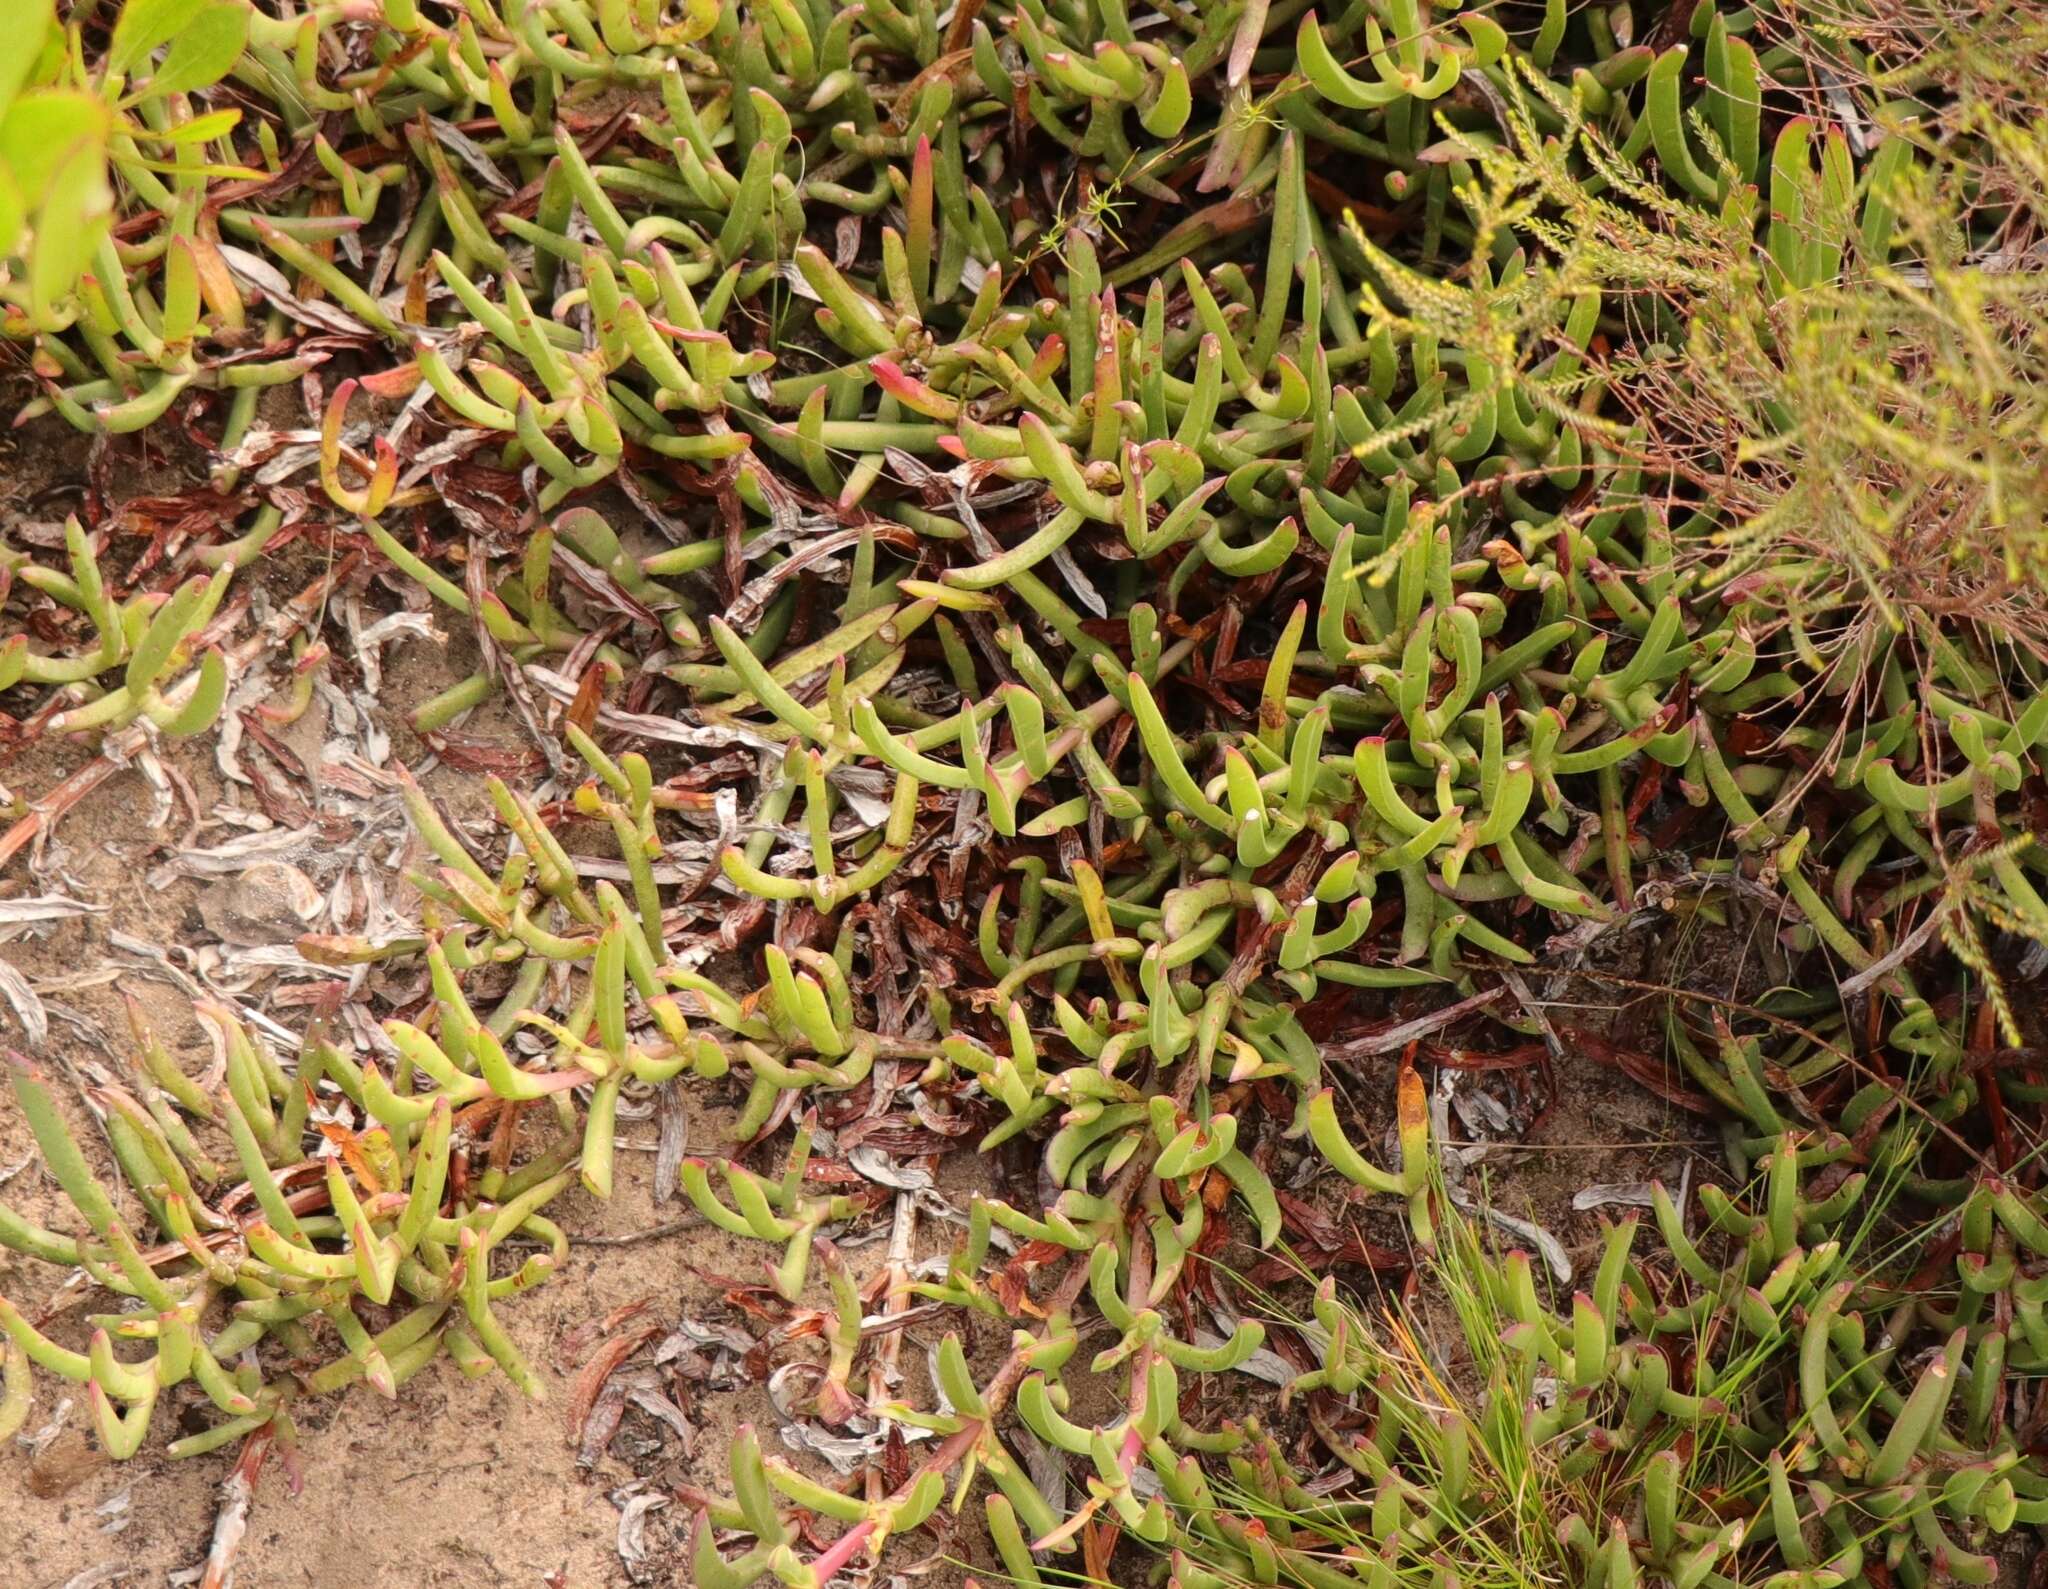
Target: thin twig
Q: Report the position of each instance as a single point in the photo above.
(237, 1491)
(1902, 951)
(1398, 1037)
(633, 1238)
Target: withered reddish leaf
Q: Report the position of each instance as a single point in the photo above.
(1644, 1070)
(590, 1378)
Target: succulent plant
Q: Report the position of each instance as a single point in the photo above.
(285, 1246)
(1188, 603)
(1718, 1421)
(151, 641)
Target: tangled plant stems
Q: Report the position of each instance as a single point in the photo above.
(1175, 525)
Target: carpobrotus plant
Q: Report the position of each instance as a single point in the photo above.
(1141, 527)
(279, 1247)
